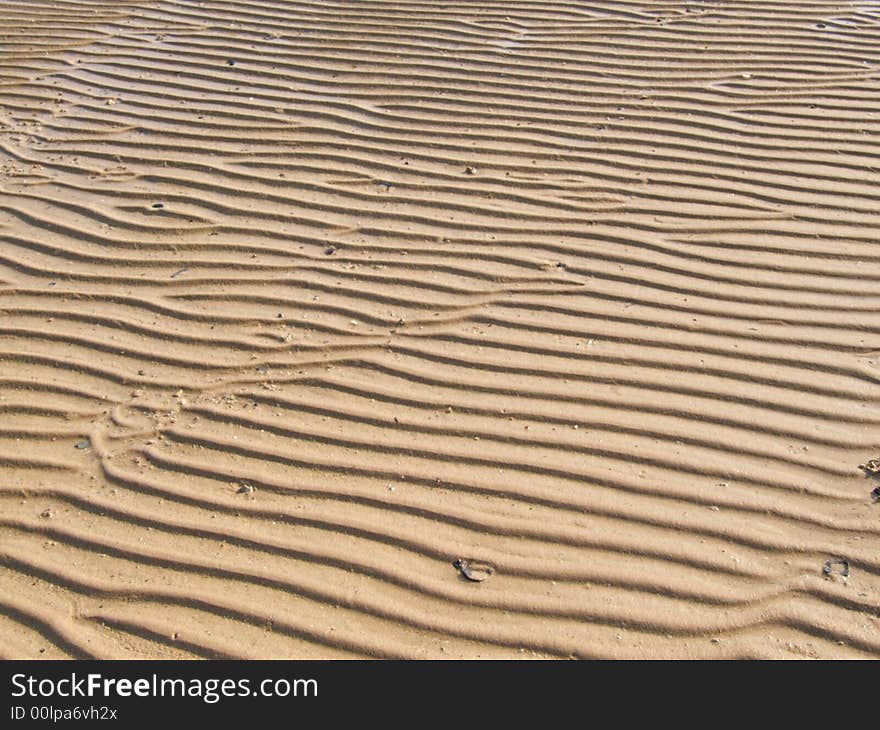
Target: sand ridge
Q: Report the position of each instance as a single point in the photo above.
(302, 302)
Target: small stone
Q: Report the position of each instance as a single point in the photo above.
(245, 489)
(330, 250)
(158, 206)
(48, 513)
(470, 170)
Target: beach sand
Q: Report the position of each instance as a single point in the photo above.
(303, 302)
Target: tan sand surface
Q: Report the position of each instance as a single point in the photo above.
(301, 302)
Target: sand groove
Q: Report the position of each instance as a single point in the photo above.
(301, 301)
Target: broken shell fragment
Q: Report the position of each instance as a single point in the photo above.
(836, 566)
(473, 570)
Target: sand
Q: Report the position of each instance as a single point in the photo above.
(303, 302)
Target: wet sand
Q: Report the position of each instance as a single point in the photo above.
(301, 302)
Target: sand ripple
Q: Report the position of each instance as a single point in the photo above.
(301, 302)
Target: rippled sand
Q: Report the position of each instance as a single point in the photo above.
(300, 302)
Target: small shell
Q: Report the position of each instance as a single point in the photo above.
(829, 567)
(473, 570)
